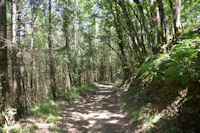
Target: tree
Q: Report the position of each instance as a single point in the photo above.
(33, 84)
(177, 16)
(51, 58)
(163, 22)
(4, 57)
(16, 73)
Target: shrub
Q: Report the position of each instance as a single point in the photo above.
(47, 111)
(181, 65)
(75, 92)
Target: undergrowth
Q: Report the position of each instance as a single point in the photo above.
(75, 92)
(47, 111)
(165, 94)
(12, 129)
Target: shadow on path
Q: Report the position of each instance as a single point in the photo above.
(97, 112)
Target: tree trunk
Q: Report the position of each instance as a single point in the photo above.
(173, 14)
(16, 73)
(154, 30)
(110, 66)
(177, 16)
(149, 36)
(51, 58)
(131, 29)
(4, 57)
(33, 69)
(162, 20)
(121, 44)
(68, 80)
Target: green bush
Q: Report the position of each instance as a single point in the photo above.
(163, 79)
(12, 129)
(180, 65)
(47, 111)
(75, 92)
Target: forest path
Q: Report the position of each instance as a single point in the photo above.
(96, 112)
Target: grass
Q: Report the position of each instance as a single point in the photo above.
(29, 129)
(47, 111)
(117, 86)
(104, 82)
(75, 92)
(11, 129)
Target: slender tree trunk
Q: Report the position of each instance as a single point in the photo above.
(154, 30)
(162, 19)
(173, 14)
(131, 29)
(4, 57)
(177, 16)
(67, 78)
(149, 36)
(51, 58)
(33, 69)
(121, 44)
(16, 73)
(110, 66)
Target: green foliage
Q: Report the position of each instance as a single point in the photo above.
(12, 129)
(139, 111)
(30, 129)
(104, 82)
(51, 118)
(116, 86)
(148, 121)
(163, 80)
(180, 65)
(75, 92)
(47, 111)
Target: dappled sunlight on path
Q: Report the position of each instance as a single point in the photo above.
(97, 112)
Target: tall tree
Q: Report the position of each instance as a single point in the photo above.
(141, 10)
(177, 16)
(131, 27)
(4, 56)
(16, 73)
(51, 58)
(163, 22)
(32, 75)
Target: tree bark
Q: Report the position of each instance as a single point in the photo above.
(163, 23)
(16, 73)
(149, 36)
(110, 66)
(33, 68)
(51, 58)
(4, 57)
(121, 44)
(131, 29)
(154, 30)
(177, 16)
(173, 14)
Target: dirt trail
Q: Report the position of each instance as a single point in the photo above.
(97, 112)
